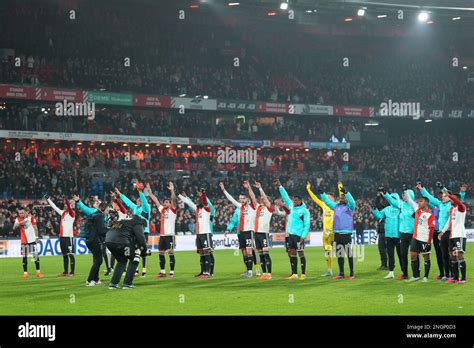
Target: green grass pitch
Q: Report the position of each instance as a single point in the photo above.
(228, 294)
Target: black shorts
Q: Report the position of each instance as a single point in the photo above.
(294, 242)
(457, 244)
(246, 240)
(67, 245)
(286, 242)
(166, 243)
(420, 247)
(261, 240)
(342, 238)
(146, 237)
(27, 249)
(203, 241)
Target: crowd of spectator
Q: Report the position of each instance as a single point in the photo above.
(275, 64)
(193, 124)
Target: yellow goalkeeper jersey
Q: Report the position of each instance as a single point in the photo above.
(328, 213)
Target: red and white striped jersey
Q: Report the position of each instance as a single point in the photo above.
(456, 223)
(263, 216)
(27, 231)
(203, 220)
(66, 225)
(167, 221)
(247, 217)
(424, 225)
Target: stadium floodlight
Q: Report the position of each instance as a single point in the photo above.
(456, 18)
(382, 16)
(464, 67)
(234, 3)
(428, 121)
(348, 19)
(284, 6)
(361, 12)
(309, 11)
(423, 16)
(183, 95)
(206, 97)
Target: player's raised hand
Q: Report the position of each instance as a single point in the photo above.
(117, 192)
(76, 198)
(184, 194)
(277, 182)
(246, 185)
(221, 185)
(148, 187)
(257, 185)
(170, 186)
(139, 186)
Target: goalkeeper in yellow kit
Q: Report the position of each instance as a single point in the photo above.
(328, 234)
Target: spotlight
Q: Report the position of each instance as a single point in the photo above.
(428, 121)
(234, 3)
(382, 16)
(361, 12)
(423, 16)
(456, 18)
(284, 6)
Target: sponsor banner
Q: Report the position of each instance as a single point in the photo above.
(236, 105)
(194, 103)
(327, 145)
(208, 141)
(252, 143)
(288, 143)
(51, 247)
(16, 92)
(55, 94)
(152, 101)
(282, 108)
(110, 98)
(313, 109)
(361, 111)
(92, 137)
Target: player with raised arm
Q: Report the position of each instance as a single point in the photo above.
(245, 213)
(444, 206)
(203, 229)
(282, 210)
(457, 237)
(391, 215)
(166, 245)
(328, 233)
(406, 224)
(29, 237)
(66, 234)
(343, 228)
(142, 209)
(264, 211)
(422, 236)
(88, 211)
(298, 229)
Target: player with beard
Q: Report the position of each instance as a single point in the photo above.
(166, 245)
(26, 223)
(264, 212)
(203, 229)
(66, 234)
(245, 213)
(298, 229)
(284, 211)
